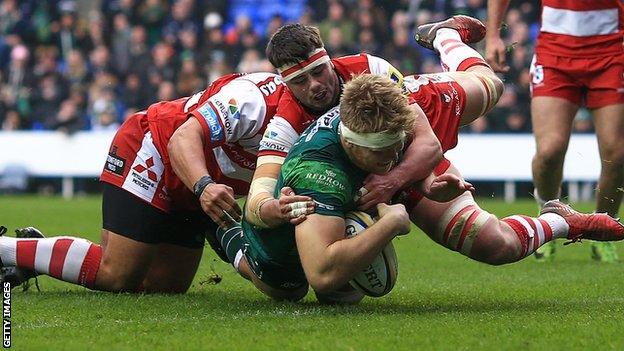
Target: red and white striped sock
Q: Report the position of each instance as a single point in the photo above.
(455, 54)
(535, 232)
(70, 259)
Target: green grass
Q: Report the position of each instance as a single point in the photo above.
(442, 300)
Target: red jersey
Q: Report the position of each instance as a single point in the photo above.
(292, 118)
(573, 28)
(233, 112)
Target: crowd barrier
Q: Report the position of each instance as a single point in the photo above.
(491, 157)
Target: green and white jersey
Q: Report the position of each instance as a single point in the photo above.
(316, 166)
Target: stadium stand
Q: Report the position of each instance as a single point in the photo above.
(74, 66)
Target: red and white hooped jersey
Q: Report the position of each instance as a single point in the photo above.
(587, 28)
(233, 112)
(291, 118)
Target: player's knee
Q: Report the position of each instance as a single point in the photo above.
(112, 278)
(551, 154)
(494, 247)
(461, 225)
(612, 155)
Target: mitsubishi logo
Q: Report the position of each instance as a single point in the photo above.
(150, 174)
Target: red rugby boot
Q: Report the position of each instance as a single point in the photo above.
(470, 29)
(591, 226)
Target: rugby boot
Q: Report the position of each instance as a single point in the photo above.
(20, 276)
(591, 226)
(604, 252)
(470, 29)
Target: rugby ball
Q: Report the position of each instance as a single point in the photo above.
(378, 278)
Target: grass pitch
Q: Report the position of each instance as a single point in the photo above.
(442, 301)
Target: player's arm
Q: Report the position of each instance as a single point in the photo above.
(262, 208)
(186, 152)
(420, 158)
(495, 49)
(330, 260)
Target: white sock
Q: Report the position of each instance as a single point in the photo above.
(7, 250)
(558, 225)
(455, 55)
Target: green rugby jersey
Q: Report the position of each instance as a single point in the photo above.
(316, 166)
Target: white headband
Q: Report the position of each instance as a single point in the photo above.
(377, 140)
(316, 58)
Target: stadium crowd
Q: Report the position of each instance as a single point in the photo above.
(76, 65)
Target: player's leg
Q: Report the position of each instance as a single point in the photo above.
(268, 279)
(172, 269)
(552, 125)
(71, 259)
(464, 64)
(461, 225)
(609, 125)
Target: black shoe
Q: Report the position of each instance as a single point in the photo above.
(20, 276)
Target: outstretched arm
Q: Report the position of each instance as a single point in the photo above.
(186, 152)
(420, 158)
(330, 260)
(495, 49)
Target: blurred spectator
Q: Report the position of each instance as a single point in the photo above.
(67, 120)
(11, 121)
(126, 54)
(121, 44)
(253, 61)
(337, 19)
(189, 79)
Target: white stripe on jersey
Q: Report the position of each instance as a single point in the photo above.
(579, 23)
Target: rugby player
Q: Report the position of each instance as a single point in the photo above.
(579, 60)
(170, 178)
(469, 90)
(330, 161)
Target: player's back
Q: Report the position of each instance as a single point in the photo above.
(233, 113)
(586, 28)
(317, 166)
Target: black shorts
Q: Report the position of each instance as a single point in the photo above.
(133, 218)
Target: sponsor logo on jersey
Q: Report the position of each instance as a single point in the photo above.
(270, 145)
(325, 180)
(210, 115)
(233, 108)
(115, 164)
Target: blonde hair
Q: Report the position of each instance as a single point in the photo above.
(372, 103)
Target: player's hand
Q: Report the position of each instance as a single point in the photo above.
(398, 217)
(294, 208)
(495, 53)
(377, 189)
(219, 204)
(446, 187)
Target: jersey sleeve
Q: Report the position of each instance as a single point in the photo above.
(236, 112)
(283, 129)
(379, 66)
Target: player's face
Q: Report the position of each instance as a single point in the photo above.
(377, 161)
(317, 89)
